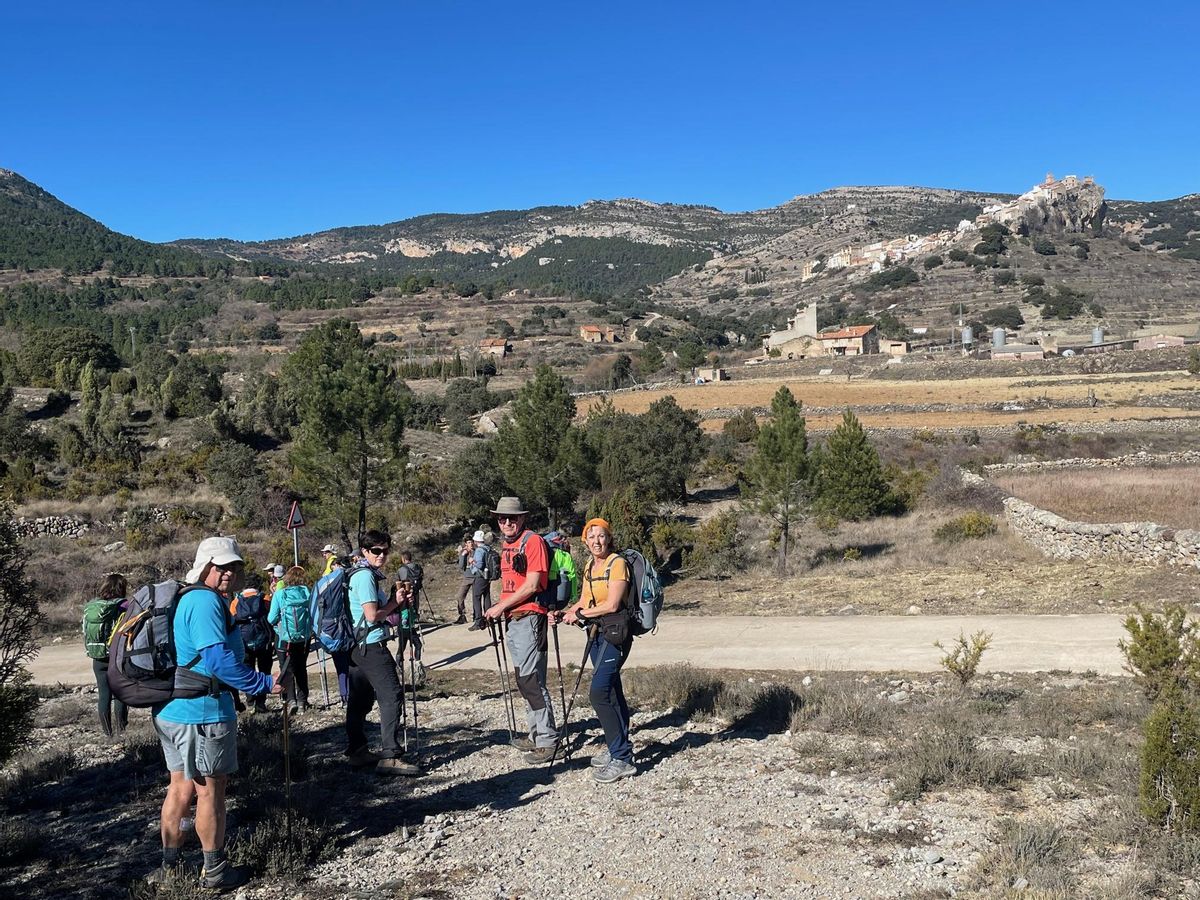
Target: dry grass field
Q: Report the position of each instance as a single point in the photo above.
(1168, 496)
(1032, 402)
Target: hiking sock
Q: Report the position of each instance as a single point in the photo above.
(170, 858)
(213, 861)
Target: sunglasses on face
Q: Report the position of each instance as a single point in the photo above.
(231, 567)
(507, 518)
(379, 551)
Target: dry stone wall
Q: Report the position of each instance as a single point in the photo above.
(1133, 460)
(1059, 538)
(58, 526)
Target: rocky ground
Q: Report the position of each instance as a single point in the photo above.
(826, 786)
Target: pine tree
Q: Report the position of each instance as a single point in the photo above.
(850, 480)
(349, 440)
(539, 450)
(778, 471)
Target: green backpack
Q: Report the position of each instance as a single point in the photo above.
(99, 619)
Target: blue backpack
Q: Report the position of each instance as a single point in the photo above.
(250, 615)
(331, 612)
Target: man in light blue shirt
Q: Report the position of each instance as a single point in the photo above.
(199, 734)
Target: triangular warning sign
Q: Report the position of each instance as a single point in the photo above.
(295, 518)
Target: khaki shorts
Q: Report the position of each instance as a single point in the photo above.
(198, 750)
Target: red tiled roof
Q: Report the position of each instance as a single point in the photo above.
(494, 342)
(854, 331)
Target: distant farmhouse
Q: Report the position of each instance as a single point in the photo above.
(497, 347)
(801, 340)
(598, 334)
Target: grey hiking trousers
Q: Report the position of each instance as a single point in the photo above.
(527, 650)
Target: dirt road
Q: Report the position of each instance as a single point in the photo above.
(822, 643)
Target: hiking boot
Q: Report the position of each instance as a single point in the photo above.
(477, 625)
(615, 771)
(461, 620)
(601, 759)
(397, 766)
(540, 755)
(224, 877)
(524, 744)
(362, 758)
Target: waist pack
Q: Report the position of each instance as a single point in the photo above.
(99, 619)
(142, 669)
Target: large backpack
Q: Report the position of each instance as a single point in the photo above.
(142, 669)
(295, 616)
(491, 565)
(565, 584)
(99, 619)
(331, 612)
(250, 615)
(645, 598)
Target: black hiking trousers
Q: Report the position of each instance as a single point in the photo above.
(373, 679)
(106, 703)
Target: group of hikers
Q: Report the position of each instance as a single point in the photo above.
(222, 647)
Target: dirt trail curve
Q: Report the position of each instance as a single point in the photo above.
(820, 643)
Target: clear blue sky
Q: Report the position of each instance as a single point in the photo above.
(269, 119)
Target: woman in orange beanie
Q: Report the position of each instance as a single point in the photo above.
(602, 606)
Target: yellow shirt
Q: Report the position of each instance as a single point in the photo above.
(595, 587)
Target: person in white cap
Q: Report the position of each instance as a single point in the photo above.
(274, 573)
(199, 734)
(330, 555)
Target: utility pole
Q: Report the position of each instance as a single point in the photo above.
(133, 342)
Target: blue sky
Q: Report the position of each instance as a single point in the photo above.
(270, 119)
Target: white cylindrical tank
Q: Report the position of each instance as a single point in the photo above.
(968, 336)
(1098, 334)
(998, 337)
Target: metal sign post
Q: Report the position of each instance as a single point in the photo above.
(294, 523)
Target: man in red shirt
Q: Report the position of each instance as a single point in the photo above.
(524, 573)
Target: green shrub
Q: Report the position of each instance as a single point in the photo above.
(1193, 361)
(932, 262)
(742, 426)
(1162, 649)
(716, 550)
(670, 535)
(20, 843)
(962, 659)
(969, 526)
(1170, 781)
(1045, 247)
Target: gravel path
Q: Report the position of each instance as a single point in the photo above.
(822, 643)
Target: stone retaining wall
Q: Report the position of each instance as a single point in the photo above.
(1059, 538)
(1133, 460)
(59, 526)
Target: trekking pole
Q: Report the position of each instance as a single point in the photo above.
(287, 747)
(587, 652)
(416, 744)
(433, 616)
(508, 715)
(403, 688)
(512, 701)
(324, 674)
(562, 688)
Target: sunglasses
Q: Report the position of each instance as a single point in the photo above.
(379, 551)
(230, 567)
(504, 518)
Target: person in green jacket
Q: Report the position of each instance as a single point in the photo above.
(562, 570)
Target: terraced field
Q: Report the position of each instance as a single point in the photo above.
(945, 403)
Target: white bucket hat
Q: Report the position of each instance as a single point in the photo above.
(220, 551)
(478, 538)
